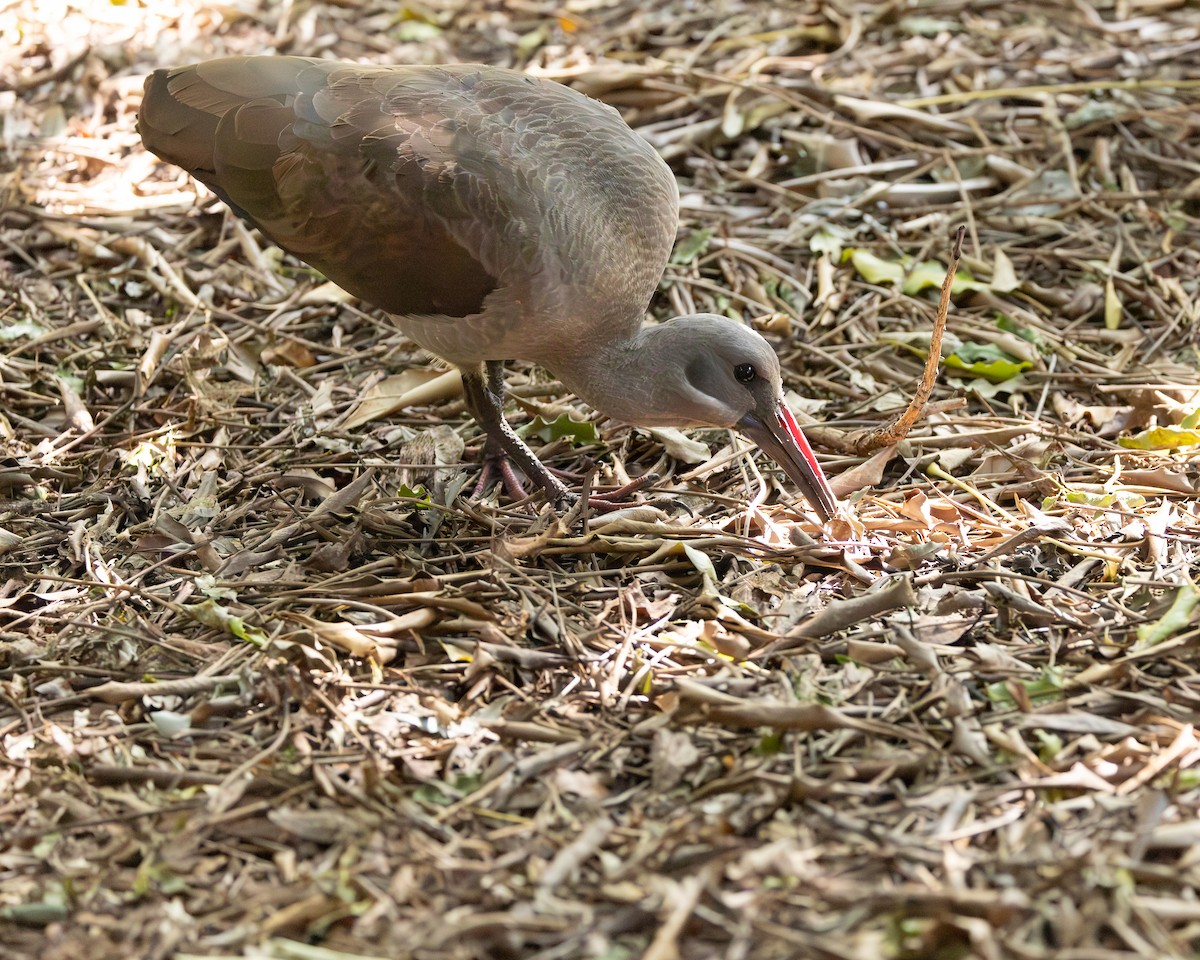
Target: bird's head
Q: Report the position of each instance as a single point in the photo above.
(706, 370)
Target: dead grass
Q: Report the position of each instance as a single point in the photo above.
(262, 698)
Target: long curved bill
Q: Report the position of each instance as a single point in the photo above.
(781, 437)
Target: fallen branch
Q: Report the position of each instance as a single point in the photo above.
(864, 442)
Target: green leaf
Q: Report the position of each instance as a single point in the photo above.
(1123, 498)
(771, 744)
(1178, 617)
(212, 614)
(532, 41)
(579, 432)
(972, 352)
(416, 31)
(1051, 745)
(1093, 111)
(994, 371)
(909, 275)
(1161, 438)
(701, 561)
(466, 783)
(35, 914)
(929, 26)
(1047, 687)
(930, 273)
(207, 584)
(20, 330)
(923, 275)
(691, 246)
(874, 269)
(1009, 325)
(827, 240)
(72, 380)
(418, 494)
(1049, 684)
(430, 796)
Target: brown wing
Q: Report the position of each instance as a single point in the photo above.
(303, 149)
(426, 190)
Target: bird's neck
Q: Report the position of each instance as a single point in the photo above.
(627, 379)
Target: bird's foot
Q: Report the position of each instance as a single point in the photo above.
(618, 498)
(483, 390)
(497, 465)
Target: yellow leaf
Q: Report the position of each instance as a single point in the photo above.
(1004, 277)
(1112, 306)
(1161, 438)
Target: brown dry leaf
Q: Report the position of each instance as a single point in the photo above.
(367, 639)
(862, 476)
(413, 388)
(289, 353)
(1163, 478)
(671, 756)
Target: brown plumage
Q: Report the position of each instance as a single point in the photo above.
(495, 216)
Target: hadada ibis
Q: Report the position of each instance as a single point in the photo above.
(495, 216)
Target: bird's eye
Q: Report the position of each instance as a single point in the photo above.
(745, 373)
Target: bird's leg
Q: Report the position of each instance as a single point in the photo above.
(485, 398)
(495, 459)
(484, 394)
(495, 379)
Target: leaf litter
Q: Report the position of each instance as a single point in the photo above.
(272, 686)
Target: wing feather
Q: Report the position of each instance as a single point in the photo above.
(428, 190)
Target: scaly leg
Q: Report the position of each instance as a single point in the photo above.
(484, 394)
(483, 391)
